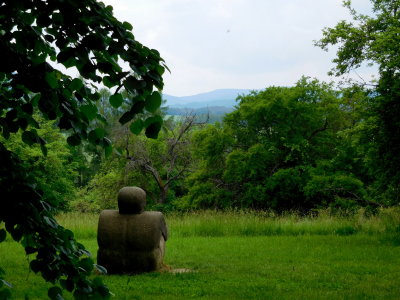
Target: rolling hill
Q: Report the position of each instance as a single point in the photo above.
(216, 100)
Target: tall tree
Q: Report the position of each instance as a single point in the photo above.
(375, 39)
(35, 38)
(264, 154)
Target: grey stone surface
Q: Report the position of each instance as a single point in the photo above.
(131, 242)
(131, 200)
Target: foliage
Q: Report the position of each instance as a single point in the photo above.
(167, 160)
(55, 173)
(368, 39)
(374, 40)
(267, 150)
(386, 134)
(36, 38)
(102, 190)
(209, 148)
(28, 219)
(156, 165)
(310, 145)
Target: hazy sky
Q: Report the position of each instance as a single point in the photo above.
(250, 44)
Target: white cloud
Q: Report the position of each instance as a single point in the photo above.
(211, 44)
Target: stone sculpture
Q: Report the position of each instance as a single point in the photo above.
(131, 240)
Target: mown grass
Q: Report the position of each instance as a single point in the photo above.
(247, 255)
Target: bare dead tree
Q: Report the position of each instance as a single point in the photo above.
(176, 160)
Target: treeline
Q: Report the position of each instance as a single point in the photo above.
(308, 146)
(283, 148)
(290, 148)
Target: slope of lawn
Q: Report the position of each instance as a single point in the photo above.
(244, 255)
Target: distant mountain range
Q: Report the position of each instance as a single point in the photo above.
(212, 110)
(219, 100)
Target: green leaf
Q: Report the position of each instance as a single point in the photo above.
(89, 110)
(138, 107)
(100, 133)
(67, 284)
(35, 100)
(67, 234)
(153, 129)
(127, 26)
(58, 18)
(108, 82)
(51, 79)
(30, 137)
(101, 270)
(76, 84)
(67, 93)
(94, 96)
(153, 126)
(55, 293)
(107, 142)
(70, 62)
(129, 115)
(108, 150)
(126, 117)
(43, 147)
(153, 102)
(86, 264)
(102, 119)
(6, 283)
(96, 134)
(74, 140)
(160, 70)
(3, 235)
(116, 100)
(132, 84)
(51, 222)
(28, 241)
(118, 151)
(153, 119)
(137, 126)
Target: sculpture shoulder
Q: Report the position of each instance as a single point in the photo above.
(159, 216)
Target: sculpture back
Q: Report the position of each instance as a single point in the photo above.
(131, 243)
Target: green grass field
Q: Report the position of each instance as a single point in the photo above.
(246, 255)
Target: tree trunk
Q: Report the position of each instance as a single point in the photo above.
(163, 194)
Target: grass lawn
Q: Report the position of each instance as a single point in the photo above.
(243, 263)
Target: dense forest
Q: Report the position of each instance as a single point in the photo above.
(309, 146)
(67, 145)
(304, 147)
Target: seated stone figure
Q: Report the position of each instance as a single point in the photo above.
(131, 240)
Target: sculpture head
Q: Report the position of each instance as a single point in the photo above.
(131, 200)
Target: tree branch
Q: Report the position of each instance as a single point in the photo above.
(315, 132)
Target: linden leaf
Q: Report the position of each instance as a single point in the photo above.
(116, 100)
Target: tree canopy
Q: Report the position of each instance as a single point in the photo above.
(375, 39)
(270, 149)
(38, 40)
(368, 39)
